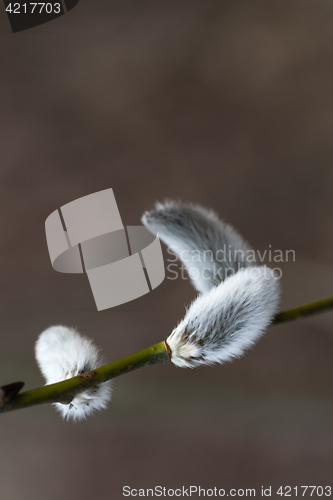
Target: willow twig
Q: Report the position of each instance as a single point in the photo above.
(63, 392)
(304, 310)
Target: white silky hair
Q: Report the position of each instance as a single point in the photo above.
(200, 239)
(63, 353)
(238, 299)
(222, 323)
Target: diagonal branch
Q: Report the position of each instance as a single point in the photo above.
(65, 390)
(304, 310)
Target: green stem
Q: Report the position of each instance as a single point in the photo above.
(305, 310)
(66, 390)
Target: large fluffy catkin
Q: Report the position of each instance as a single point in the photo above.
(222, 323)
(63, 353)
(210, 249)
(238, 299)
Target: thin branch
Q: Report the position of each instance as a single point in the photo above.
(304, 310)
(64, 392)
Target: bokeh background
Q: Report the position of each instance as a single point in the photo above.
(224, 103)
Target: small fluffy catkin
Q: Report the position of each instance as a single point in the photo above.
(63, 353)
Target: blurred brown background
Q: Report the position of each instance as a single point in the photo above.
(224, 103)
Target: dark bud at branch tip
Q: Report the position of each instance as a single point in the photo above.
(8, 392)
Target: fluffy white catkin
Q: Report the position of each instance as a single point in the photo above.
(210, 249)
(222, 323)
(63, 353)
